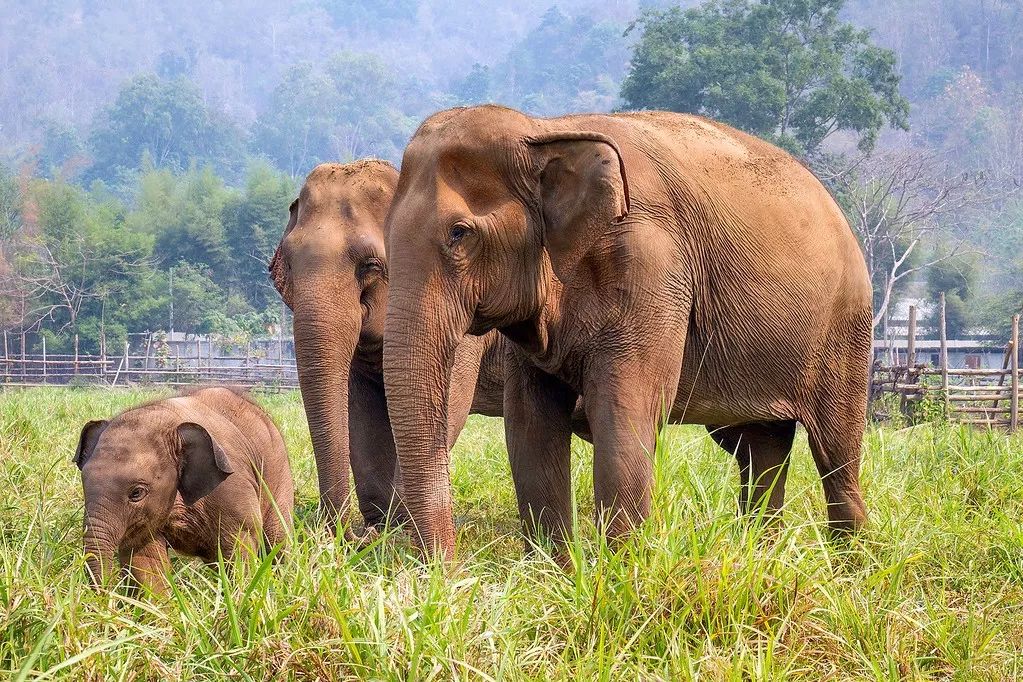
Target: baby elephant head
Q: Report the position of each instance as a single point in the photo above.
(132, 475)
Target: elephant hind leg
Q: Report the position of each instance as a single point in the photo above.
(762, 452)
(835, 441)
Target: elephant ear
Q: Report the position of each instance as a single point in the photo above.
(582, 189)
(277, 267)
(88, 439)
(202, 464)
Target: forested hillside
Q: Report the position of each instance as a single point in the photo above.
(151, 147)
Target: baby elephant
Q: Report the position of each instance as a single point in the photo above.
(203, 471)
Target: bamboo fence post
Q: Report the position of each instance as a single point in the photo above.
(103, 357)
(209, 360)
(1014, 399)
(943, 354)
(911, 338)
(198, 359)
(7, 362)
(76, 354)
(911, 376)
(23, 355)
(44, 359)
(127, 362)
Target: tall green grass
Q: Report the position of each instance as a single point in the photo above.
(933, 589)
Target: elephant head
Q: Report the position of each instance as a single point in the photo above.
(493, 212)
(330, 269)
(133, 470)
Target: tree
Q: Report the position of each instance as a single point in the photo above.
(185, 215)
(350, 108)
(10, 203)
(956, 278)
(75, 261)
(293, 130)
(786, 70)
(475, 87)
(167, 121)
(563, 64)
(254, 223)
(198, 301)
(900, 203)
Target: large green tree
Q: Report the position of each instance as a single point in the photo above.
(254, 221)
(350, 107)
(81, 268)
(786, 70)
(166, 121)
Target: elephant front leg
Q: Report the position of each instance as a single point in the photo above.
(538, 431)
(149, 566)
(626, 406)
(374, 463)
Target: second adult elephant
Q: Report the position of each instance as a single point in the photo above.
(331, 270)
(656, 264)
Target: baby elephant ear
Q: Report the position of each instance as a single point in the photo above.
(203, 464)
(87, 441)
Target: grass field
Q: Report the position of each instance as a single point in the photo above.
(933, 589)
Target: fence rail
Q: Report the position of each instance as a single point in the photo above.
(134, 369)
(989, 397)
(983, 397)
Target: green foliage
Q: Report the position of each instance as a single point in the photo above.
(87, 271)
(90, 264)
(61, 152)
(350, 108)
(190, 226)
(931, 589)
(10, 204)
(475, 88)
(788, 70)
(199, 304)
(565, 64)
(254, 222)
(166, 120)
(956, 278)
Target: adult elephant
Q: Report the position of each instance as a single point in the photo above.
(331, 270)
(659, 265)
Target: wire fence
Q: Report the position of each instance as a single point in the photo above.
(146, 368)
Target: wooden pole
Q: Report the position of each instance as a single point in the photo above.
(44, 359)
(912, 377)
(127, 362)
(1014, 399)
(23, 365)
(911, 339)
(76, 353)
(7, 362)
(943, 357)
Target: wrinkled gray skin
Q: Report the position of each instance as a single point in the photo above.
(201, 473)
(330, 268)
(660, 266)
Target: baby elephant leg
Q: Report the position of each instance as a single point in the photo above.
(762, 452)
(149, 566)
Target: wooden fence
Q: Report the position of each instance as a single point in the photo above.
(126, 369)
(984, 397)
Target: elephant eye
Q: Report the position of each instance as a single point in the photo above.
(137, 493)
(371, 266)
(457, 233)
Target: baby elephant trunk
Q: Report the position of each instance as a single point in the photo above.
(100, 553)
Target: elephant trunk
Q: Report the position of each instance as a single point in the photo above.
(324, 347)
(101, 544)
(419, 349)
